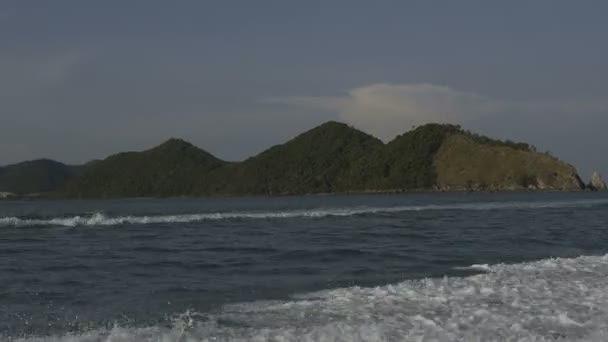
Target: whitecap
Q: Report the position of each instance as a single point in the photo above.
(537, 301)
(100, 219)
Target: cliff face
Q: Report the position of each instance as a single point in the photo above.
(465, 164)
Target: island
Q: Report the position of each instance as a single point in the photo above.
(331, 158)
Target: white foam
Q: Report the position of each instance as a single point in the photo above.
(547, 300)
(100, 219)
(476, 267)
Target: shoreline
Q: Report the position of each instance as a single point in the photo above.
(51, 197)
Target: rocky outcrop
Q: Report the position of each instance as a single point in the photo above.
(597, 183)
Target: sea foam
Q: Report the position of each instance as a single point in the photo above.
(101, 219)
(547, 300)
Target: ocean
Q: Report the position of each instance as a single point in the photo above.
(418, 267)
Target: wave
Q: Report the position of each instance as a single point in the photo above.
(100, 219)
(475, 267)
(547, 300)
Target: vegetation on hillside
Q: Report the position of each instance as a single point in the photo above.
(333, 157)
(464, 163)
(316, 161)
(36, 176)
(173, 168)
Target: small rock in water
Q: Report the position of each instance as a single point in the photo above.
(597, 183)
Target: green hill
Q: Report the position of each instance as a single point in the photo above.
(173, 168)
(36, 176)
(462, 163)
(333, 157)
(317, 161)
(448, 158)
(405, 163)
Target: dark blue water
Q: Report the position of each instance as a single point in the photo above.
(239, 268)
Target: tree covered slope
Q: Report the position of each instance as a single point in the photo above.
(36, 176)
(332, 157)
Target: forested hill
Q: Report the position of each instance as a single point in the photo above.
(36, 176)
(333, 157)
(173, 168)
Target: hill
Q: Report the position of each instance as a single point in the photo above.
(447, 158)
(464, 163)
(317, 161)
(330, 158)
(36, 176)
(174, 168)
(405, 163)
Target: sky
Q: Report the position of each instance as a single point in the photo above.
(80, 80)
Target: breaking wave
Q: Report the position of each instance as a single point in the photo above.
(547, 300)
(100, 219)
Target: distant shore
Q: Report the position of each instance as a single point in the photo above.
(50, 196)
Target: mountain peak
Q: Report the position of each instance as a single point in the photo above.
(179, 148)
(334, 130)
(174, 145)
(175, 142)
(333, 125)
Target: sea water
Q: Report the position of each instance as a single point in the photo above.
(426, 267)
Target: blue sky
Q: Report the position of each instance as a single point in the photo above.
(81, 80)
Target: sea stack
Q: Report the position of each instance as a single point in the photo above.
(597, 183)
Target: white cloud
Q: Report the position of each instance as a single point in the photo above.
(386, 110)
